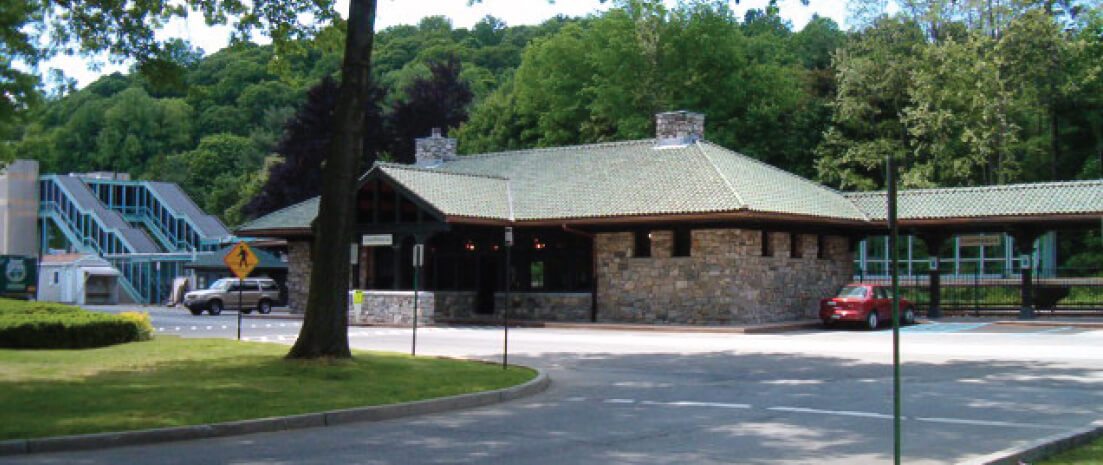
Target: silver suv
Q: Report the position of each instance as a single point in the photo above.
(254, 293)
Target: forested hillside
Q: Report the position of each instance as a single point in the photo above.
(213, 121)
(963, 93)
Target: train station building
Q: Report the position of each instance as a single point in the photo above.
(670, 230)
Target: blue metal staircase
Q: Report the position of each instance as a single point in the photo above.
(116, 219)
(165, 210)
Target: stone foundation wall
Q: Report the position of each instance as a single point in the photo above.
(298, 275)
(539, 306)
(393, 308)
(396, 307)
(725, 280)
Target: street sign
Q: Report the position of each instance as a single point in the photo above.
(241, 260)
(419, 255)
(377, 240)
(357, 301)
(978, 241)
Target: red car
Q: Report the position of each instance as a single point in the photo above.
(868, 304)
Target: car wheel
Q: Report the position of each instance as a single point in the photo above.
(909, 316)
(195, 311)
(264, 307)
(871, 320)
(828, 324)
(216, 307)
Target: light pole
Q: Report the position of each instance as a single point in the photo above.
(893, 233)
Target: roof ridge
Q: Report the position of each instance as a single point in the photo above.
(506, 153)
(436, 171)
(991, 187)
(273, 212)
(773, 168)
(727, 182)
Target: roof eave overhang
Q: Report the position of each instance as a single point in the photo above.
(739, 215)
(1003, 221)
(377, 173)
(285, 233)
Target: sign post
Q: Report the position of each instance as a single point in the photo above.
(505, 312)
(894, 231)
(241, 260)
(419, 260)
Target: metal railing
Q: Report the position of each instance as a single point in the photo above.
(1067, 291)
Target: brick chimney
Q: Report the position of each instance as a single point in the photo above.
(679, 128)
(434, 150)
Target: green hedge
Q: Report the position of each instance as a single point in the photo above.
(41, 325)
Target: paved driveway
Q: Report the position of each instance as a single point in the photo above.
(666, 398)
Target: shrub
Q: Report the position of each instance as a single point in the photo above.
(142, 322)
(43, 325)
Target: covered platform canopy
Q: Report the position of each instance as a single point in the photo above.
(1023, 211)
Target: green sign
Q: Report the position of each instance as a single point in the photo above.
(17, 276)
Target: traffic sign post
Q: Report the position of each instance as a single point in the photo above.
(241, 260)
(419, 261)
(505, 313)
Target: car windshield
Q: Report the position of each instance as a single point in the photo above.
(851, 291)
(221, 285)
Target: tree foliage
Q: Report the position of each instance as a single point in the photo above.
(761, 85)
(967, 93)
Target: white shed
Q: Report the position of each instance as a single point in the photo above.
(77, 279)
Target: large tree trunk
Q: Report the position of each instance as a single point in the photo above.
(325, 325)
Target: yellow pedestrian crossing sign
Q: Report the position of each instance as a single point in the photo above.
(241, 260)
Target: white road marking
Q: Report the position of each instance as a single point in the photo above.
(575, 399)
(845, 413)
(177, 329)
(1006, 424)
(685, 403)
(193, 328)
(1051, 330)
(210, 327)
(224, 327)
(620, 401)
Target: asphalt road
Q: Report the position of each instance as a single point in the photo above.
(820, 397)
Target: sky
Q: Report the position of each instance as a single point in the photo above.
(396, 12)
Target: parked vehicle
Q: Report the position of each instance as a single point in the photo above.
(253, 293)
(868, 304)
(18, 277)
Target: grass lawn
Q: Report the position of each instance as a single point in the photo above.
(174, 382)
(1091, 454)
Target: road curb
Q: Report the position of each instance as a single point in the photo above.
(268, 425)
(1041, 448)
(743, 329)
(1051, 323)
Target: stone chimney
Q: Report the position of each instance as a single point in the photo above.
(679, 128)
(434, 150)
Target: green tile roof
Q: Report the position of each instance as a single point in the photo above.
(638, 178)
(297, 216)
(454, 194)
(1048, 198)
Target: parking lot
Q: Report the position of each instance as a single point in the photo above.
(810, 396)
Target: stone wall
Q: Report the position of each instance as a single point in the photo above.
(298, 274)
(725, 280)
(538, 306)
(393, 308)
(396, 307)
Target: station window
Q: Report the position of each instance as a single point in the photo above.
(767, 247)
(683, 242)
(643, 244)
(795, 250)
(820, 246)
